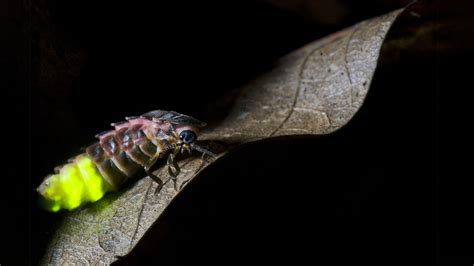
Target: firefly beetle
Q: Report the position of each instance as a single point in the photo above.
(134, 144)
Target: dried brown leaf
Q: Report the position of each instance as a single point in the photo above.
(314, 90)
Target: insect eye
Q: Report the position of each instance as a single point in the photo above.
(188, 136)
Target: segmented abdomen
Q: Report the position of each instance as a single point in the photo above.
(117, 156)
(121, 153)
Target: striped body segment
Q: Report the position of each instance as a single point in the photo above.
(118, 155)
(121, 153)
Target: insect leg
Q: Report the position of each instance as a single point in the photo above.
(148, 166)
(186, 148)
(204, 151)
(173, 167)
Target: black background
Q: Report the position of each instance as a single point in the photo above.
(367, 194)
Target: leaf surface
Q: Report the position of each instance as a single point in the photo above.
(315, 90)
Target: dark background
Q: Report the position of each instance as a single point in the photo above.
(371, 193)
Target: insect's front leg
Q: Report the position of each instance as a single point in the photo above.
(204, 152)
(148, 166)
(186, 148)
(173, 167)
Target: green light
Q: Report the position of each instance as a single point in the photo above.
(76, 184)
(94, 182)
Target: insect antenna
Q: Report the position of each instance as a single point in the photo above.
(202, 150)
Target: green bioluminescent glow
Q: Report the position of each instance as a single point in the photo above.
(76, 184)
